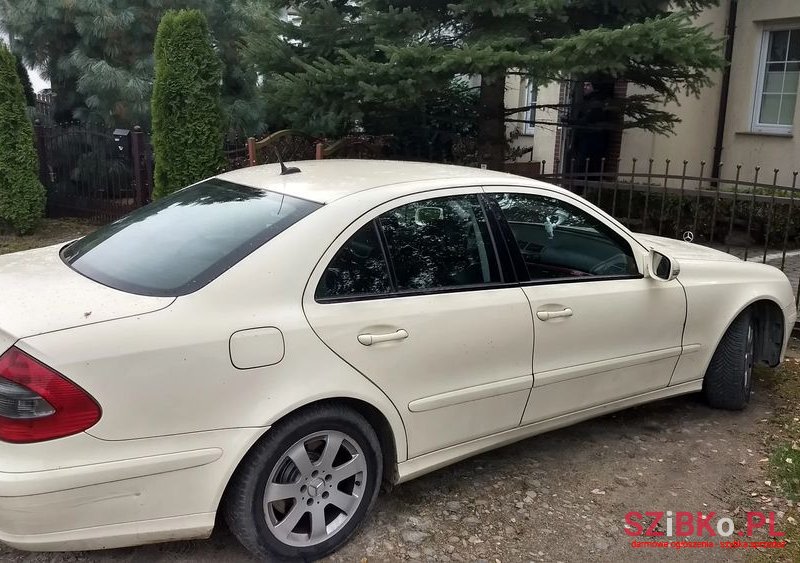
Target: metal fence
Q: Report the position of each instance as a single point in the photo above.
(750, 213)
(235, 149)
(292, 145)
(93, 172)
(44, 105)
(102, 174)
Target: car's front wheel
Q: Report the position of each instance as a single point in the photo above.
(303, 490)
(729, 379)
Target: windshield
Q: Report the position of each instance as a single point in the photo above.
(182, 242)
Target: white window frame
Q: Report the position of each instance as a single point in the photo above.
(755, 125)
(531, 95)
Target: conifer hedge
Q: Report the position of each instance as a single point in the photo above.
(186, 110)
(22, 196)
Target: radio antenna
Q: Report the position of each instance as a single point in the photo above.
(286, 170)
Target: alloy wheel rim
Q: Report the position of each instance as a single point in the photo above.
(748, 358)
(315, 488)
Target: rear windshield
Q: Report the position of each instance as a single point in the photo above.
(180, 243)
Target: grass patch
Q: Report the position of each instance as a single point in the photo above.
(785, 469)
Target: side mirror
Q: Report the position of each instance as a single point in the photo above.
(662, 267)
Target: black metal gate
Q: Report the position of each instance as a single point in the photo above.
(93, 173)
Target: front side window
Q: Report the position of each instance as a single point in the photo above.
(559, 241)
(779, 71)
(181, 242)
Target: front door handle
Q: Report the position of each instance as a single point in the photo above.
(370, 339)
(547, 315)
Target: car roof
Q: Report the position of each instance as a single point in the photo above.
(324, 181)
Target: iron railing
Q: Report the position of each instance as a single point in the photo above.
(235, 149)
(92, 172)
(744, 211)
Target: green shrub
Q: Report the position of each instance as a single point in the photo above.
(186, 110)
(22, 196)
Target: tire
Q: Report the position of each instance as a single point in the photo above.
(315, 485)
(729, 379)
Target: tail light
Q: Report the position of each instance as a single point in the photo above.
(38, 403)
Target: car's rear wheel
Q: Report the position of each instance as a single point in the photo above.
(304, 489)
(729, 379)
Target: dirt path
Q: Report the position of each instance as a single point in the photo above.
(562, 496)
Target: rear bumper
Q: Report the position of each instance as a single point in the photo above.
(112, 536)
(143, 493)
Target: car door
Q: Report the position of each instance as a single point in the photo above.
(412, 296)
(602, 331)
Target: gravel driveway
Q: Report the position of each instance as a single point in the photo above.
(561, 496)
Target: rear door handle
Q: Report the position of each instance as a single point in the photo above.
(370, 339)
(547, 315)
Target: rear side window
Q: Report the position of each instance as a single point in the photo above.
(440, 243)
(429, 245)
(359, 268)
(180, 243)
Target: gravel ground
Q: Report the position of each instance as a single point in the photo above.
(561, 496)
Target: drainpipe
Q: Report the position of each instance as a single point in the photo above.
(725, 89)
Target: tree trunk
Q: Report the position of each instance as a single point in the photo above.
(492, 123)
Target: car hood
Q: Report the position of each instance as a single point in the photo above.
(40, 293)
(683, 251)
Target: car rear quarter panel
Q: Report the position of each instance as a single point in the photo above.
(716, 293)
(164, 375)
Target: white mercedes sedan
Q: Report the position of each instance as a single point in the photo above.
(274, 345)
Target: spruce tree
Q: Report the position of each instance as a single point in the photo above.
(98, 55)
(306, 55)
(284, 42)
(187, 118)
(418, 45)
(22, 197)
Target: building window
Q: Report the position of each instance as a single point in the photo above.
(530, 114)
(779, 71)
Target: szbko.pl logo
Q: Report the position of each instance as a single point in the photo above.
(666, 526)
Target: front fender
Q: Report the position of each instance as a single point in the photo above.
(717, 293)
